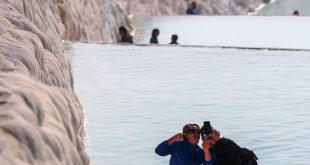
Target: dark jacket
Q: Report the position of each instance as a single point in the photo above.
(154, 40)
(127, 39)
(191, 11)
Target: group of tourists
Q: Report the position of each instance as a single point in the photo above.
(125, 37)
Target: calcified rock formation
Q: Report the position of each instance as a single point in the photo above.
(89, 20)
(41, 119)
(113, 17)
(206, 7)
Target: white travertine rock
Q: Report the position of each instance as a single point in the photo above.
(39, 123)
(41, 119)
(81, 19)
(113, 16)
(177, 7)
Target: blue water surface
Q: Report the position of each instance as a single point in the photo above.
(134, 97)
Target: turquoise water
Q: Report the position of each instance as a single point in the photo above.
(136, 96)
(241, 31)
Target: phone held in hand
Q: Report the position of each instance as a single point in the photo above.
(206, 129)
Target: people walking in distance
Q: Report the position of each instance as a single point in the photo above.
(125, 37)
(155, 34)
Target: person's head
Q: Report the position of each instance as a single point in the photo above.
(296, 12)
(155, 32)
(192, 133)
(193, 5)
(122, 31)
(174, 38)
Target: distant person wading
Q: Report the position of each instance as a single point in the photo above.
(296, 13)
(125, 37)
(155, 34)
(174, 39)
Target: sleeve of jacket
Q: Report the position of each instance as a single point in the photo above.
(164, 148)
(213, 160)
(210, 162)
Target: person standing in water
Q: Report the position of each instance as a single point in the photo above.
(155, 34)
(125, 37)
(192, 9)
(296, 13)
(174, 39)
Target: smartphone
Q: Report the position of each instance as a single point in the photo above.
(206, 129)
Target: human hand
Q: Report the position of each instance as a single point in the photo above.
(179, 136)
(176, 137)
(215, 136)
(206, 144)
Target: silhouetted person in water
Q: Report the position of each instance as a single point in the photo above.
(296, 12)
(155, 34)
(192, 9)
(174, 39)
(125, 36)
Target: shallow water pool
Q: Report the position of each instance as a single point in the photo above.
(134, 97)
(289, 32)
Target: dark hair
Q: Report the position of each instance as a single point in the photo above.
(296, 12)
(188, 127)
(155, 31)
(123, 29)
(194, 5)
(174, 37)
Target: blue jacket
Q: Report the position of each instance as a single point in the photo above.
(184, 153)
(192, 11)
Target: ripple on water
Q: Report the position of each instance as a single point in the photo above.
(136, 97)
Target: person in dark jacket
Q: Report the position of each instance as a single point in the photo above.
(155, 34)
(125, 36)
(184, 150)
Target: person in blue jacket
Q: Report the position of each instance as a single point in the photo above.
(184, 150)
(192, 9)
